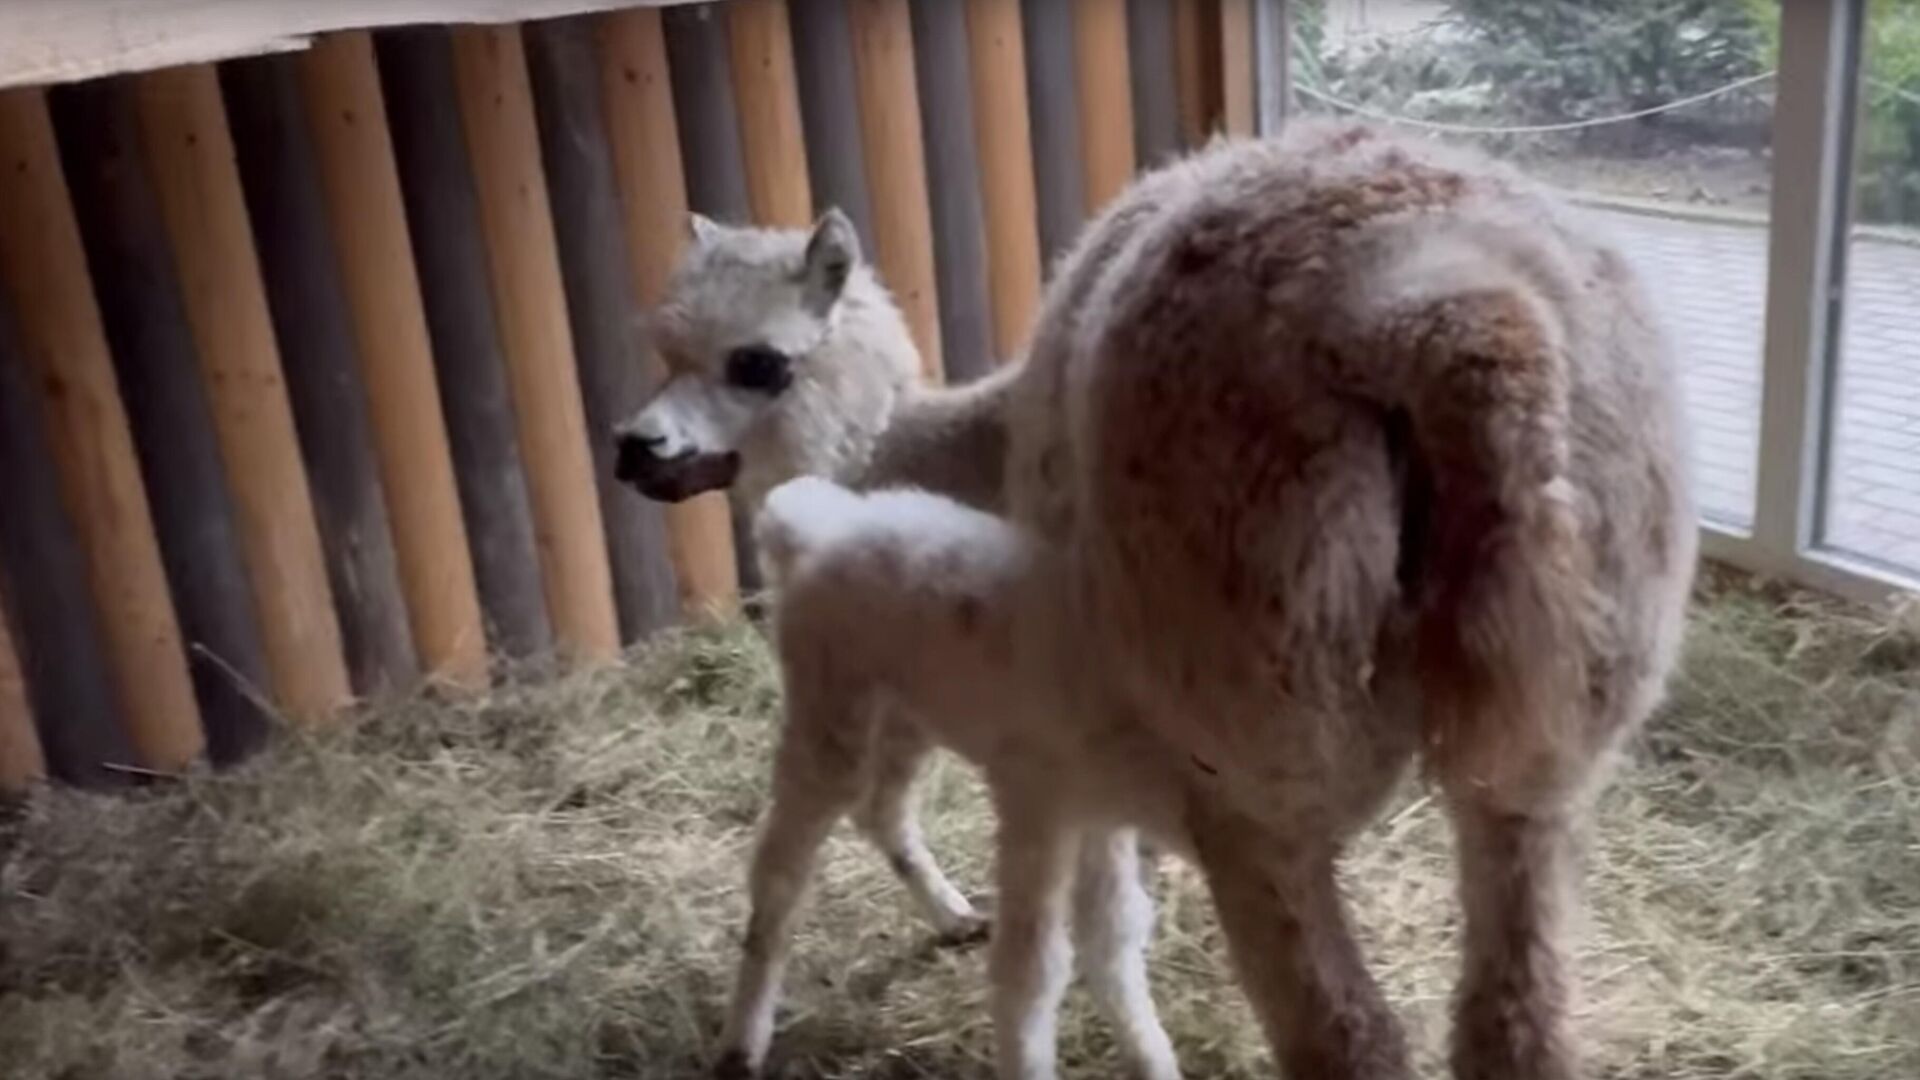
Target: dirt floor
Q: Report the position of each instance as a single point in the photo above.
(547, 884)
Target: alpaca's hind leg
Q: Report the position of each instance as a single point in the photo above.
(1297, 960)
(811, 792)
(887, 816)
(1030, 960)
(1517, 883)
(1113, 922)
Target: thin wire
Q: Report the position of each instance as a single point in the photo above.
(1897, 91)
(1528, 129)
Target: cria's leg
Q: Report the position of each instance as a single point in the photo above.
(1030, 960)
(1301, 968)
(887, 816)
(1113, 922)
(812, 790)
(1517, 887)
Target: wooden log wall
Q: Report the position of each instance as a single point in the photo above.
(309, 364)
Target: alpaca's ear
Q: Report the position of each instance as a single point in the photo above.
(832, 253)
(701, 229)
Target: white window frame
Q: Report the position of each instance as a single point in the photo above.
(1817, 97)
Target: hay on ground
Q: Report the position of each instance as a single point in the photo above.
(547, 884)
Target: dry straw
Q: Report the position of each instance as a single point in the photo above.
(546, 884)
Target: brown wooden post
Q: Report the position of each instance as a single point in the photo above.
(190, 157)
(700, 62)
(21, 760)
(443, 217)
(997, 57)
(823, 67)
(771, 141)
(1105, 99)
(1150, 75)
(301, 272)
(490, 70)
(563, 61)
(645, 140)
(44, 271)
(54, 627)
(1239, 103)
(897, 167)
(1197, 68)
(347, 117)
(1054, 100)
(158, 368)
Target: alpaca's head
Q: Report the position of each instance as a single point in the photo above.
(784, 357)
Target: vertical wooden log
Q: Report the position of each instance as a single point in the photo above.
(564, 66)
(158, 368)
(996, 55)
(1197, 74)
(897, 167)
(190, 158)
(490, 70)
(1105, 99)
(701, 63)
(347, 119)
(644, 138)
(22, 761)
(773, 149)
(830, 110)
(443, 216)
(1239, 98)
(43, 269)
(1151, 42)
(301, 272)
(1058, 171)
(953, 189)
(55, 629)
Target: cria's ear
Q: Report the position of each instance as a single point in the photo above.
(702, 229)
(832, 253)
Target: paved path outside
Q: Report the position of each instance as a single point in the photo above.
(1710, 279)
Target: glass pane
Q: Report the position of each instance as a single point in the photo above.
(1660, 117)
(1873, 483)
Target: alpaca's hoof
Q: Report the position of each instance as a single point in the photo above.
(972, 930)
(733, 1065)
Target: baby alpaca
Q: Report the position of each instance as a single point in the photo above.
(914, 601)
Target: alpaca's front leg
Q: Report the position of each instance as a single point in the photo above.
(886, 816)
(1113, 923)
(1031, 958)
(1517, 883)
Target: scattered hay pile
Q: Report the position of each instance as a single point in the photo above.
(546, 884)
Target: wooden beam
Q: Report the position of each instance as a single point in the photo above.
(1105, 99)
(1197, 69)
(1058, 171)
(190, 157)
(644, 137)
(1239, 94)
(443, 218)
(700, 59)
(773, 147)
(953, 189)
(301, 271)
(830, 109)
(490, 70)
(22, 762)
(346, 116)
(563, 61)
(996, 55)
(158, 368)
(897, 167)
(43, 269)
(53, 624)
(1151, 68)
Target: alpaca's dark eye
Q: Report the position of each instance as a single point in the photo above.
(760, 368)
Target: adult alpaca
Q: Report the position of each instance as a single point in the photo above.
(1356, 449)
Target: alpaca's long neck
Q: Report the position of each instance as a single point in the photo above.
(949, 441)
